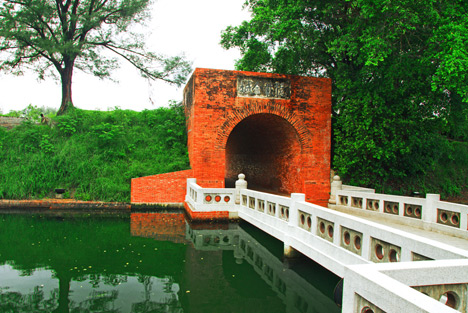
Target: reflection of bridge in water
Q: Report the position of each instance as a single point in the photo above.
(300, 292)
(296, 292)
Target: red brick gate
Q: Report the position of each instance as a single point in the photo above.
(273, 128)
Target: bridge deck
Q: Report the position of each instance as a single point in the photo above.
(455, 240)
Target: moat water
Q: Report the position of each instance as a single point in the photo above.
(151, 262)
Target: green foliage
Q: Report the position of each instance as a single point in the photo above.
(67, 125)
(33, 113)
(400, 86)
(92, 154)
(55, 37)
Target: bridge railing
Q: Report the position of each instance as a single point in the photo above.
(339, 242)
(426, 210)
(210, 199)
(435, 286)
(346, 245)
(358, 240)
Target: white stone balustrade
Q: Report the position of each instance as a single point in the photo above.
(336, 239)
(210, 199)
(429, 210)
(435, 286)
(347, 245)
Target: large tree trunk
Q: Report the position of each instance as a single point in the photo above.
(64, 293)
(66, 77)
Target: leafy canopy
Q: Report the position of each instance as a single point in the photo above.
(55, 36)
(398, 70)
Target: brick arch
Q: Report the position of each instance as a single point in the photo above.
(239, 114)
(216, 101)
(266, 148)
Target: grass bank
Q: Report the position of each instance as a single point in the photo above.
(92, 154)
(95, 154)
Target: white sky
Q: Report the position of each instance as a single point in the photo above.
(177, 26)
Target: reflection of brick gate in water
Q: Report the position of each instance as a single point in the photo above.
(273, 128)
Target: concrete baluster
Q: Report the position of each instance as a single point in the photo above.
(241, 183)
(366, 245)
(463, 221)
(293, 211)
(429, 211)
(381, 206)
(406, 255)
(351, 279)
(293, 223)
(189, 182)
(401, 208)
(337, 234)
(335, 186)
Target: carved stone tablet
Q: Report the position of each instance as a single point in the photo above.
(257, 87)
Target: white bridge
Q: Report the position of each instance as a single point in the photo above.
(395, 254)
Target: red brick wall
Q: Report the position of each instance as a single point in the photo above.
(283, 144)
(215, 111)
(161, 188)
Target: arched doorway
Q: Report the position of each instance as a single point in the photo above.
(266, 148)
(280, 140)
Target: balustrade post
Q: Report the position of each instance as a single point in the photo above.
(429, 212)
(290, 252)
(293, 211)
(241, 183)
(366, 245)
(335, 186)
(189, 182)
(463, 221)
(381, 206)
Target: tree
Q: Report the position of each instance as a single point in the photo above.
(89, 35)
(397, 68)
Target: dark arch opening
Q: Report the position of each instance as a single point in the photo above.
(266, 148)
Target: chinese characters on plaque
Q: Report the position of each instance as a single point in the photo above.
(256, 87)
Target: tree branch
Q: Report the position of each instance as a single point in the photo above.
(138, 66)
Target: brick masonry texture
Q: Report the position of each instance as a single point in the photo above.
(161, 226)
(281, 142)
(161, 188)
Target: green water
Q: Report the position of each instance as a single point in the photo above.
(151, 263)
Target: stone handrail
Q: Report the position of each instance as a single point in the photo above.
(406, 287)
(427, 210)
(358, 240)
(346, 245)
(210, 199)
(339, 241)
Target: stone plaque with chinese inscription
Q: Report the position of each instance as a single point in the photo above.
(257, 87)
